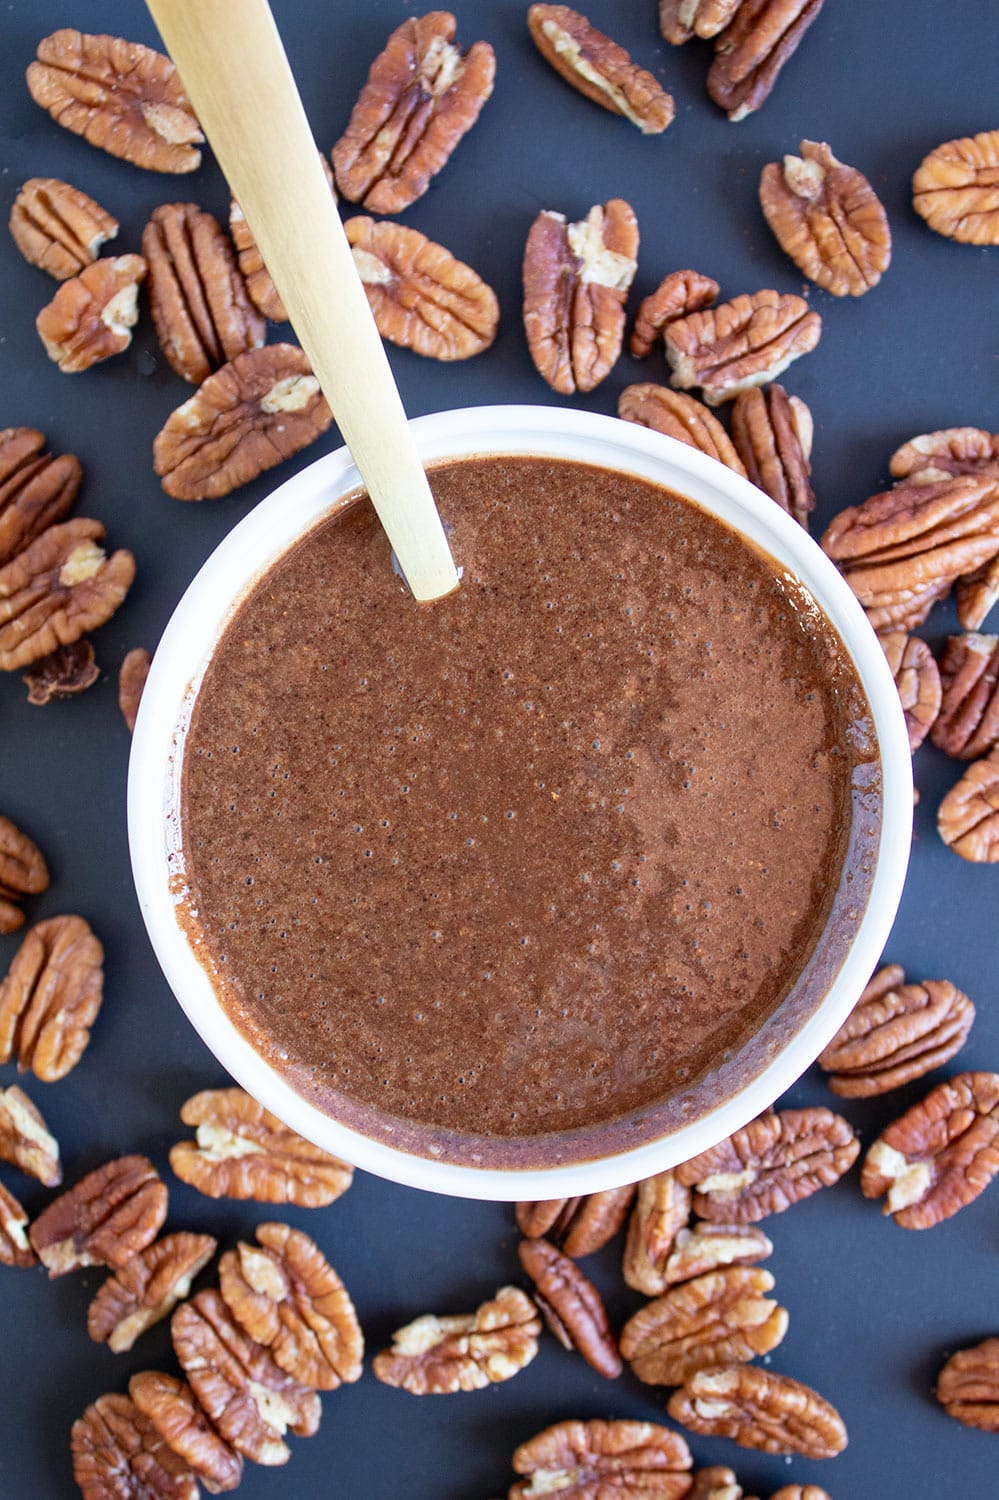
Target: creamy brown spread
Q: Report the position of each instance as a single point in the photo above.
(515, 878)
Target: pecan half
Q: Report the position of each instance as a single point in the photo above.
(51, 997)
(576, 280)
(64, 673)
(463, 1352)
(967, 724)
(249, 1400)
(288, 1297)
(601, 70)
(897, 1032)
(24, 1139)
(752, 50)
(109, 1216)
(828, 219)
(738, 344)
(968, 1386)
(976, 594)
(118, 95)
(956, 189)
(709, 1247)
(200, 307)
(721, 1318)
(23, 872)
(422, 95)
(800, 1492)
(169, 1405)
(917, 679)
(584, 1460)
(968, 817)
(774, 1161)
(681, 416)
(58, 228)
(147, 1288)
(131, 681)
(243, 1151)
(940, 1155)
(254, 413)
(580, 1225)
(260, 288)
(421, 296)
(119, 1455)
(661, 1210)
(679, 293)
(950, 450)
(679, 20)
(91, 317)
(571, 1306)
(715, 1483)
(759, 1409)
(58, 589)
(772, 433)
(36, 490)
(15, 1247)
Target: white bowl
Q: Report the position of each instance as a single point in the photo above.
(251, 548)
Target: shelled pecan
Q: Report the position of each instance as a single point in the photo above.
(759, 1409)
(715, 1483)
(917, 679)
(828, 219)
(51, 996)
(579, 1225)
(897, 1033)
(967, 725)
(799, 1492)
(201, 311)
(260, 288)
(23, 872)
(709, 1247)
(571, 1306)
(119, 1455)
(772, 433)
(64, 673)
(169, 1405)
(661, 1211)
(118, 95)
(25, 1140)
(576, 280)
(147, 1288)
(752, 50)
(950, 450)
(738, 344)
(422, 298)
(620, 1459)
(681, 416)
(968, 817)
(679, 293)
(956, 189)
(109, 1216)
(435, 1356)
(36, 490)
(254, 413)
(422, 95)
(721, 1318)
(131, 681)
(679, 20)
(976, 594)
(58, 228)
(91, 317)
(601, 70)
(968, 1386)
(15, 1247)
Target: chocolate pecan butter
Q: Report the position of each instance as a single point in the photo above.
(528, 874)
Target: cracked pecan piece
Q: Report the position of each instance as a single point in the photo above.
(243, 1151)
(752, 50)
(51, 996)
(254, 413)
(759, 1409)
(710, 1247)
(602, 71)
(939, 1155)
(579, 1225)
(422, 95)
(91, 317)
(828, 219)
(772, 433)
(897, 1033)
(774, 1161)
(571, 1305)
(587, 1460)
(681, 416)
(738, 344)
(59, 228)
(576, 280)
(169, 1405)
(23, 872)
(15, 1247)
(120, 96)
(119, 1455)
(968, 817)
(679, 293)
(64, 673)
(715, 1483)
(58, 589)
(976, 593)
(661, 1211)
(109, 1216)
(968, 1386)
(147, 1288)
(917, 678)
(956, 189)
(286, 1296)
(25, 1140)
(950, 450)
(435, 1356)
(131, 681)
(201, 311)
(679, 20)
(259, 286)
(967, 725)
(36, 490)
(421, 296)
(721, 1318)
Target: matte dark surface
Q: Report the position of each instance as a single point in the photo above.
(874, 1310)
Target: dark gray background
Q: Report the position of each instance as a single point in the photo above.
(874, 1310)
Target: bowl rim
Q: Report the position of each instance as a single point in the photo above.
(232, 570)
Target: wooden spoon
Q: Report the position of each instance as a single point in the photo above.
(234, 68)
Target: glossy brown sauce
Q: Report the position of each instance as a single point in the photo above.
(513, 876)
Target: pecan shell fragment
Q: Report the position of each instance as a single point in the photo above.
(679, 20)
(36, 490)
(679, 293)
(170, 1406)
(680, 416)
(917, 679)
(23, 872)
(119, 1455)
(131, 681)
(738, 344)
(968, 817)
(967, 725)
(601, 70)
(91, 317)
(579, 1225)
(15, 1247)
(828, 219)
(752, 50)
(661, 1211)
(51, 996)
(968, 1386)
(64, 673)
(956, 189)
(147, 1288)
(721, 1318)
(587, 1460)
(58, 228)
(109, 1216)
(571, 1305)
(24, 1139)
(759, 1409)
(772, 433)
(435, 1356)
